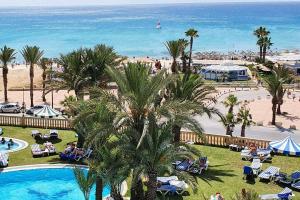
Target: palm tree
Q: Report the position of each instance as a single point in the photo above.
(266, 41)
(44, 64)
(230, 102)
(85, 182)
(287, 75)
(192, 33)
(174, 48)
(32, 55)
(260, 33)
(229, 122)
(184, 56)
(74, 75)
(6, 56)
(190, 89)
(244, 117)
(273, 84)
(246, 195)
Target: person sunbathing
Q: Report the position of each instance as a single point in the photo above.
(78, 152)
(70, 148)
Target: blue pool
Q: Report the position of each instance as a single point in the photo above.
(42, 184)
(4, 147)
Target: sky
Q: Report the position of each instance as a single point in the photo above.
(7, 3)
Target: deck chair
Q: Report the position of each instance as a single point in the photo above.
(248, 173)
(86, 154)
(167, 189)
(53, 134)
(296, 185)
(287, 180)
(36, 150)
(3, 159)
(165, 180)
(285, 194)
(269, 174)
(256, 166)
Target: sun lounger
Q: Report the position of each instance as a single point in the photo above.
(269, 173)
(165, 180)
(285, 194)
(296, 185)
(3, 159)
(72, 157)
(248, 173)
(34, 133)
(179, 184)
(53, 134)
(256, 166)
(287, 180)
(86, 154)
(170, 189)
(36, 150)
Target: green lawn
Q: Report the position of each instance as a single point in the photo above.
(224, 174)
(24, 157)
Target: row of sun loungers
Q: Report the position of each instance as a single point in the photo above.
(72, 157)
(37, 151)
(53, 135)
(3, 159)
(192, 166)
(263, 154)
(171, 185)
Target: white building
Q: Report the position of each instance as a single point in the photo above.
(291, 60)
(225, 71)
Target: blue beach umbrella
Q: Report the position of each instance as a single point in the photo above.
(286, 146)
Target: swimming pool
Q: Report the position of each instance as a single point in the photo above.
(42, 184)
(17, 146)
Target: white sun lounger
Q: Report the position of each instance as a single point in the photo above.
(269, 173)
(167, 179)
(3, 159)
(256, 166)
(36, 150)
(179, 184)
(277, 196)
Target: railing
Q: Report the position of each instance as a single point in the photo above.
(35, 122)
(221, 140)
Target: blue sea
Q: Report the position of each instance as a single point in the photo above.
(131, 30)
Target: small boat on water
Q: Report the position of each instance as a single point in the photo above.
(158, 26)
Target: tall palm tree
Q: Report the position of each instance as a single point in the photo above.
(244, 117)
(192, 33)
(273, 84)
(190, 89)
(184, 56)
(229, 122)
(44, 65)
(6, 56)
(174, 48)
(287, 75)
(85, 182)
(230, 102)
(266, 46)
(260, 33)
(32, 55)
(74, 75)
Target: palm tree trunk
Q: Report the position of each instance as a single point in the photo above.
(31, 74)
(151, 186)
(260, 53)
(99, 188)
(191, 49)
(264, 53)
(278, 109)
(136, 190)
(44, 86)
(5, 72)
(173, 67)
(228, 130)
(176, 131)
(274, 113)
(243, 130)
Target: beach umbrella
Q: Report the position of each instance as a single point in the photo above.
(286, 146)
(46, 112)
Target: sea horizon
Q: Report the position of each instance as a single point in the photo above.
(130, 29)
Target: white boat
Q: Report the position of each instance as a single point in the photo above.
(158, 26)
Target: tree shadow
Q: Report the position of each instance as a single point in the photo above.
(53, 141)
(214, 174)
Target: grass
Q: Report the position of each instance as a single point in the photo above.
(224, 173)
(24, 157)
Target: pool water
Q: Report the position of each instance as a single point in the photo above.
(4, 147)
(42, 184)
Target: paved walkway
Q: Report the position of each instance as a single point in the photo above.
(214, 126)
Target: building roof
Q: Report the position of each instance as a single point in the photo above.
(284, 57)
(225, 67)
